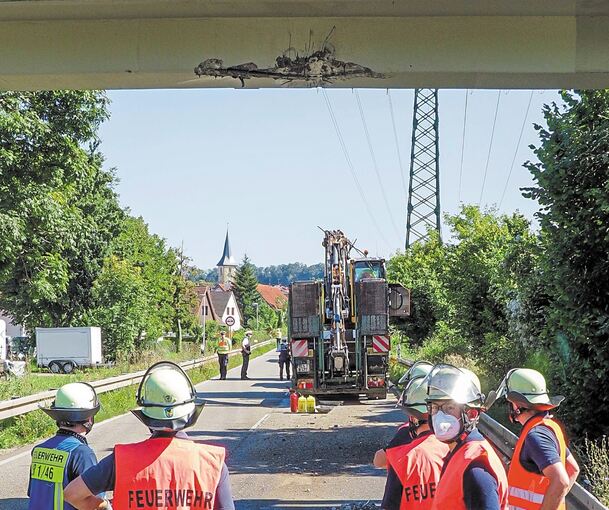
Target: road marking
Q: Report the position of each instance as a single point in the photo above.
(15, 457)
(259, 422)
(28, 452)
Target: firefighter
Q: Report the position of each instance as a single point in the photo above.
(473, 477)
(167, 470)
(59, 460)
(542, 470)
(223, 349)
(417, 464)
(404, 434)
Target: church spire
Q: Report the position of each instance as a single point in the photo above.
(227, 257)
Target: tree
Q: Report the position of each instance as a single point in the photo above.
(59, 210)
(572, 188)
(246, 289)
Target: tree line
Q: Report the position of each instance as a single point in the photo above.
(282, 274)
(71, 255)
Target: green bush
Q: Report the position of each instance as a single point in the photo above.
(595, 466)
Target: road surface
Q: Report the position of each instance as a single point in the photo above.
(277, 460)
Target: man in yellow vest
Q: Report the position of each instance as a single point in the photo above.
(167, 470)
(542, 470)
(223, 349)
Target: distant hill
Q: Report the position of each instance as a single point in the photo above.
(283, 274)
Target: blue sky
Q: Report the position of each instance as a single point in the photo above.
(269, 163)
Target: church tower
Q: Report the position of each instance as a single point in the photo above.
(227, 265)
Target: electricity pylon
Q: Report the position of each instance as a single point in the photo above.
(424, 187)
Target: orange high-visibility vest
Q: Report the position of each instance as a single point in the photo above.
(168, 473)
(527, 489)
(418, 465)
(223, 346)
(449, 493)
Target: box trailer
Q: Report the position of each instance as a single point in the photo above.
(64, 349)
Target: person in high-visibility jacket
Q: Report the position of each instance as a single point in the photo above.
(168, 470)
(223, 349)
(473, 477)
(60, 459)
(542, 470)
(405, 432)
(417, 465)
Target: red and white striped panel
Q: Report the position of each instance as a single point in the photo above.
(300, 348)
(380, 343)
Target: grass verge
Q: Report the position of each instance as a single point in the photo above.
(36, 425)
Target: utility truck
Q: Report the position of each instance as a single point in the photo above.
(339, 326)
(64, 349)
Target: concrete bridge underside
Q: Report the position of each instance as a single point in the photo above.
(49, 44)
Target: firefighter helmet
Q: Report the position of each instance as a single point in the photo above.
(74, 403)
(167, 398)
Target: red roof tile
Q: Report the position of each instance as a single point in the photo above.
(274, 296)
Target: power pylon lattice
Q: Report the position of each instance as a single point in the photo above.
(424, 187)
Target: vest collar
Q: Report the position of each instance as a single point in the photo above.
(71, 433)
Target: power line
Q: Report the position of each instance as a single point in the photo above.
(524, 120)
(490, 147)
(397, 147)
(351, 167)
(374, 163)
(463, 144)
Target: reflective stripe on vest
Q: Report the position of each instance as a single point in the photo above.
(528, 489)
(418, 465)
(449, 493)
(167, 472)
(223, 346)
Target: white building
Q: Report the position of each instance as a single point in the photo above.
(225, 304)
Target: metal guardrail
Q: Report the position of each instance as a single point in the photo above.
(24, 405)
(505, 441)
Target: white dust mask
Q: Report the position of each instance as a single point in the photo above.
(445, 426)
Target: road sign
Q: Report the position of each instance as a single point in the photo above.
(229, 321)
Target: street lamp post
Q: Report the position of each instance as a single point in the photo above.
(204, 344)
(256, 306)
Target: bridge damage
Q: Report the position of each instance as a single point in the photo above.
(315, 69)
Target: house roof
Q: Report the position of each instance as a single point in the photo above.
(201, 292)
(219, 300)
(273, 296)
(227, 256)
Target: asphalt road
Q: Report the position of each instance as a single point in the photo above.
(277, 460)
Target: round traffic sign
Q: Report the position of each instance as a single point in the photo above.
(229, 321)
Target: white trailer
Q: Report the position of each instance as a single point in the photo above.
(64, 349)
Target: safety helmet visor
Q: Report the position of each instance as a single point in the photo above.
(413, 398)
(447, 382)
(418, 369)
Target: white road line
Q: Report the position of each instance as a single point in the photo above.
(15, 457)
(259, 422)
